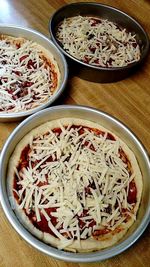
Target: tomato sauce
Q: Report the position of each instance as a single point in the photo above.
(101, 232)
(132, 193)
(95, 22)
(43, 224)
(23, 58)
(24, 162)
(17, 72)
(31, 64)
(57, 130)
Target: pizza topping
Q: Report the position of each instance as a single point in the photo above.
(75, 182)
(98, 42)
(27, 78)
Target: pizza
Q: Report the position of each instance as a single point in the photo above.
(74, 185)
(98, 42)
(29, 74)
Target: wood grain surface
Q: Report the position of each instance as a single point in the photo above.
(128, 100)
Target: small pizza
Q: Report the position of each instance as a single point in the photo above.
(29, 74)
(74, 184)
(98, 42)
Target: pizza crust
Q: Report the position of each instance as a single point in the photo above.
(90, 244)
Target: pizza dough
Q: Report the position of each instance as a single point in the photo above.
(74, 184)
(29, 74)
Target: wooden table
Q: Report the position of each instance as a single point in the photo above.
(127, 100)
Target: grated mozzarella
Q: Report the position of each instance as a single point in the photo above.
(27, 78)
(98, 42)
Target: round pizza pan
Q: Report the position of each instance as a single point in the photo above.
(91, 72)
(30, 34)
(117, 128)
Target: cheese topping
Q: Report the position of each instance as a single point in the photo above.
(27, 78)
(98, 42)
(77, 178)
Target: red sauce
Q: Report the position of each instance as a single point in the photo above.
(57, 130)
(95, 22)
(43, 224)
(84, 213)
(125, 159)
(96, 61)
(81, 223)
(10, 91)
(132, 193)
(27, 84)
(23, 58)
(17, 72)
(18, 46)
(23, 163)
(42, 183)
(31, 64)
(86, 60)
(10, 107)
(92, 223)
(98, 44)
(92, 49)
(101, 232)
(88, 188)
(86, 143)
(110, 137)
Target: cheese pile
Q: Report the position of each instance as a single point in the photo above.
(98, 42)
(74, 171)
(25, 79)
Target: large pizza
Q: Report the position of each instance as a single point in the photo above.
(29, 74)
(74, 184)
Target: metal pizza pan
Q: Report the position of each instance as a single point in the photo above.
(112, 124)
(120, 18)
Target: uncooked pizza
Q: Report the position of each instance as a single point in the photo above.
(74, 184)
(98, 42)
(29, 74)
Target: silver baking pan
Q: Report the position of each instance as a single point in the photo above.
(94, 73)
(42, 40)
(112, 124)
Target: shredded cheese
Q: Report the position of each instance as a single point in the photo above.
(27, 78)
(98, 42)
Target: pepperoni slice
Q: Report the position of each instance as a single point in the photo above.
(132, 193)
